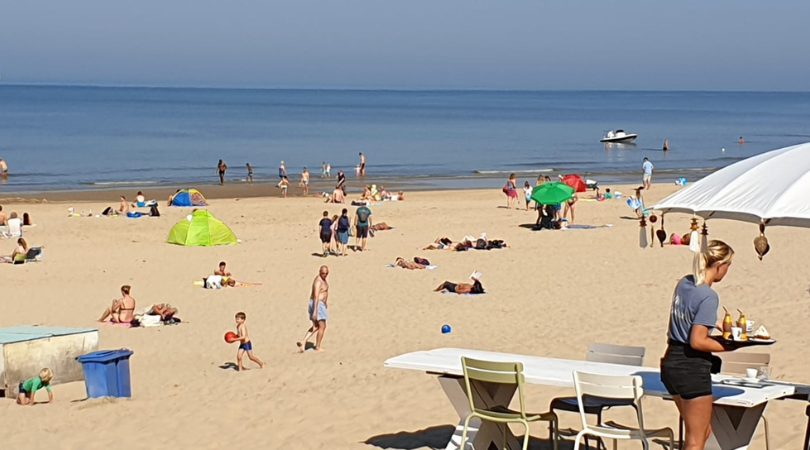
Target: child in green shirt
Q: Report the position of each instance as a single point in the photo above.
(29, 387)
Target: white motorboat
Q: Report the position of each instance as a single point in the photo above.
(618, 136)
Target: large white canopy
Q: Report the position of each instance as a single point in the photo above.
(773, 186)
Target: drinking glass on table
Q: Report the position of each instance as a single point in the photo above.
(764, 373)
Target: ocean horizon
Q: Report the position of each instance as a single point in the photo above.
(57, 137)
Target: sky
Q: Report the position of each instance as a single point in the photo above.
(413, 44)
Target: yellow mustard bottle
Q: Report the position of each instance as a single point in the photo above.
(743, 323)
(728, 322)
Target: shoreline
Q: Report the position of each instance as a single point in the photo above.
(236, 192)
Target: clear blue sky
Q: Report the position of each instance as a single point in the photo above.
(409, 44)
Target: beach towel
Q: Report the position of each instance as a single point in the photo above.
(579, 226)
(394, 266)
(464, 295)
(238, 283)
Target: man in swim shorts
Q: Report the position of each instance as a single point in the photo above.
(362, 164)
(317, 310)
(305, 181)
(462, 288)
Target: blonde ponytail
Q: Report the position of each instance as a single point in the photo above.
(717, 252)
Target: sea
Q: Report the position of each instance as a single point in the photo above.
(61, 138)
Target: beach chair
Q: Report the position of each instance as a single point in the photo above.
(506, 374)
(31, 256)
(625, 388)
(604, 353)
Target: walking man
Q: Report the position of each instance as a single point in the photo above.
(647, 170)
(221, 168)
(318, 299)
(362, 222)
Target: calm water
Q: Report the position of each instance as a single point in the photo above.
(88, 137)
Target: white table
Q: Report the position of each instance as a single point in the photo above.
(736, 413)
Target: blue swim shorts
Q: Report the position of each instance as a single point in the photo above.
(246, 346)
(321, 310)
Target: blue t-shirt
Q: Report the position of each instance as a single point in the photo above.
(691, 305)
(647, 167)
(363, 214)
(326, 226)
(343, 224)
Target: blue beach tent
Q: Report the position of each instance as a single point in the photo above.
(188, 197)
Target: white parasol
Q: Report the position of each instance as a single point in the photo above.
(772, 188)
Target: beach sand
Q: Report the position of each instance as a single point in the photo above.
(550, 294)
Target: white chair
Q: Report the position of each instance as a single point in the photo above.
(619, 388)
(604, 353)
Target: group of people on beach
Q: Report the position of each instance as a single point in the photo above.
(284, 181)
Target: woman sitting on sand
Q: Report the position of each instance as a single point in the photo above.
(410, 265)
(675, 239)
(140, 200)
(122, 310)
(19, 253)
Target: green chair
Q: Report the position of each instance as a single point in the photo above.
(489, 372)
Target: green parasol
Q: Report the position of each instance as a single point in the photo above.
(552, 193)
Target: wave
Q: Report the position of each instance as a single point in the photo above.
(118, 183)
(495, 172)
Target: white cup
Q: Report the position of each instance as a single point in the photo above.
(736, 333)
(751, 373)
(750, 325)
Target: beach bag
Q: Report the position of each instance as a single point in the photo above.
(153, 211)
(108, 212)
(506, 188)
(481, 244)
(343, 224)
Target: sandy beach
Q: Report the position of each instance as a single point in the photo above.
(550, 293)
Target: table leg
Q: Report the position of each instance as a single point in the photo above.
(733, 427)
(481, 434)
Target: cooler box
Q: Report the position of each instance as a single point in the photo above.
(106, 373)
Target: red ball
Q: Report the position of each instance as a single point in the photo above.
(230, 337)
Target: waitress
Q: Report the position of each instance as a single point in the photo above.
(687, 364)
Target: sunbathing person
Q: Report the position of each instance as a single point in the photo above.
(337, 196)
(124, 208)
(380, 227)
(462, 288)
(218, 282)
(222, 270)
(19, 253)
(140, 200)
(442, 243)
(122, 310)
(410, 265)
(164, 310)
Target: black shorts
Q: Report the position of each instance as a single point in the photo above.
(362, 232)
(686, 371)
(326, 238)
(21, 389)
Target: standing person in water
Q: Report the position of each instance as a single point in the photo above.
(362, 164)
(305, 181)
(249, 177)
(221, 168)
(4, 167)
(666, 145)
(686, 368)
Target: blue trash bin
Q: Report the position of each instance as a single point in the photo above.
(106, 373)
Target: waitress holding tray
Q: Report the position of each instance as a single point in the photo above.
(687, 364)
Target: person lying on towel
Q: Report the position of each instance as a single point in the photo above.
(462, 288)
(218, 282)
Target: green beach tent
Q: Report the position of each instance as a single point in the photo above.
(203, 230)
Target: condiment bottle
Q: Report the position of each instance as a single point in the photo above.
(727, 324)
(742, 323)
